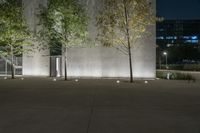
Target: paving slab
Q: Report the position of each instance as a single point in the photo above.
(40, 105)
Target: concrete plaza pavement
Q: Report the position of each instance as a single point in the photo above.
(39, 105)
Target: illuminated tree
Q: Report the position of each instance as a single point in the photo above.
(122, 22)
(14, 33)
(63, 22)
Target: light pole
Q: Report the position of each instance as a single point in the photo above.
(165, 54)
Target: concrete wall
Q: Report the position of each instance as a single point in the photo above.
(96, 61)
(109, 62)
(35, 63)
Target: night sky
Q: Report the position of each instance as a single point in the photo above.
(178, 9)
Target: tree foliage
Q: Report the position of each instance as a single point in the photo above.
(112, 23)
(14, 33)
(63, 22)
(122, 22)
(13, 28)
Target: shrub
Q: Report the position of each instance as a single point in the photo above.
(184, 67)
(174, 75)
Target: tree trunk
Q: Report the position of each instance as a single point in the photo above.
(130, 62)
(65, 63)
(128, 42)
(12, 70)
(12, 64)
(65, 67)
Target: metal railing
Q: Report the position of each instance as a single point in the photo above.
(5, 65)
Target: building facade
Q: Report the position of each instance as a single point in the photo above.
(180, 38)
(178, 32)
(89, 62)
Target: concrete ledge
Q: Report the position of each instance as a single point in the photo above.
(74, 77)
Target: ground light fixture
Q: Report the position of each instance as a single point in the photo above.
(5, 78)
(146, 82)
(54, 79)
(76, 80)
(118, 81)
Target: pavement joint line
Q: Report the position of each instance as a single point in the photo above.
(91, 112)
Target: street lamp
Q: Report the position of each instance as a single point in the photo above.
(165, 54)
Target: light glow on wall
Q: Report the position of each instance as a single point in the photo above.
(97, 61)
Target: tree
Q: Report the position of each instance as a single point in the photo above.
(63, 22)
(14, 33)
(122, 22)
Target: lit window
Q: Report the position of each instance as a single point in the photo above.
(169, 37)
(160, 37)
(195, 41)
(191, 41)
(194, 37)
(170, 45)
(186, 37)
